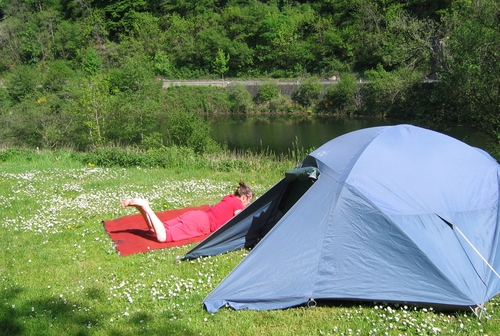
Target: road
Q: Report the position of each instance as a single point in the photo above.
(167, 83)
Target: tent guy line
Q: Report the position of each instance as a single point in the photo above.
(454, 227)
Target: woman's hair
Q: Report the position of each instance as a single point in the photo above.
(243, 189)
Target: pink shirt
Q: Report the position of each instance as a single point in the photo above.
(223, 211)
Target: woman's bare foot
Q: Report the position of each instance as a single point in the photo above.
(154, 223)
(136, 202)
(143, 206)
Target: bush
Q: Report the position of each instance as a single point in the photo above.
(58, 75)
(197, 100)
(240, 100)
(280, 104)
(341, 97)
(152, 141)
(24, 81)
(267, 92)
(388, 94)
(10, 154)
(165, 157)
(187, 129)
(308, 92)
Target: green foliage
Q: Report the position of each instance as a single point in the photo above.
(267, 91)
(279, 104)
(94, 110)
(407, 41)
(187, 129)
(51, 48)
(308, 92)
(90, 61)
(282, 47)
(134, 74)
(57, 76)
(5, 101)
(119, 157)
(471, 73)
(341, 97)
(92, 27)
(153, 140)
(197, 99)
(23, 82)
(387, 92)
(68, 40)
(9, 154)
(134, 116)
(240, 99)
(162, 65)
(220, 63)
(31, 49)
(160, 157)
(43, 120)
(270, 38)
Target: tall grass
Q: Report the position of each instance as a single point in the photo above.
(60, 273)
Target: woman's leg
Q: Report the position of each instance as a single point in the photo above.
(154, 223)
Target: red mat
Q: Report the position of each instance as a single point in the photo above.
(131, 233)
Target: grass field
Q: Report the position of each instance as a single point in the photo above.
(60, 273)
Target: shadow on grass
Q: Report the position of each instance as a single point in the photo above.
(56, 315)
(9, 325)
(445, 309)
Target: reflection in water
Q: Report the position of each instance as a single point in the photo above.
(281, 133)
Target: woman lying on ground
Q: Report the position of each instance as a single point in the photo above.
(193, 223)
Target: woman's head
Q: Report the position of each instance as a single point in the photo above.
(244, 193)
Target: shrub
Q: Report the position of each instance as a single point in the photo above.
(24, 81)
(10, 154)
(152, 141)
(190, 130)
(280, 104)
(267, 92)
(197, 100)
(341, 97)
(240, 100)
(308, 92)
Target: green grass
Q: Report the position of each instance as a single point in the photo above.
(60, 273)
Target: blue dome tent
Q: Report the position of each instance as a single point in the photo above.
(391, 213)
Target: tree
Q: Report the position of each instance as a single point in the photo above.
(58, 73)
(470, 77)
(162, 65)
(387, 92)
(220, 63)
(90, 61)
(23, 82)
(93, 109)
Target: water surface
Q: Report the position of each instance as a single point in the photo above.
(282, 133)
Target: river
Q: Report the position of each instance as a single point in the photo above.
(281, 133)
